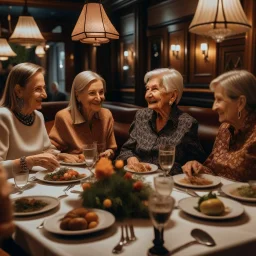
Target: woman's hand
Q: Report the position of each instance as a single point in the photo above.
(191, 168)
(71, 158)
(45, 160)
(132, 160)
(109, 153)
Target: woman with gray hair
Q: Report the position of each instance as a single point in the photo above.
(234, 152)
(84, 121)
(23, 137)
(162, 123)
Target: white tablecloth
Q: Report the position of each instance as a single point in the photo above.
(233, 237)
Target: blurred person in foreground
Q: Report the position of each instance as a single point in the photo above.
(234, 151)
(162, 123)
(23, 137)
(84, 121)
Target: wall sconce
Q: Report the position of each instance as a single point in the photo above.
(204, 49)
(126, 53)
(175, 48)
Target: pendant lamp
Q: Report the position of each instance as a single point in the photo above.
(93, 26)
(219, 19)
(5, 49)
(26, 32)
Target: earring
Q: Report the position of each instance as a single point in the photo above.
(170, 103)
(20, 103)
(239, 114)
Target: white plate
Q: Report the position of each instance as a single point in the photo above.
(73, 164)
(215, 181)
(40, 176)
(51, 201)
(153, 169)
(52, 224)
(227, 189)
(187, 205)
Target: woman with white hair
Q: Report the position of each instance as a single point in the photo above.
(84, 121)
(234, 152)
(162, 123)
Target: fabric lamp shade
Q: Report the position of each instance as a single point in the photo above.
(40, 52)
(94, 26)
(5, 50)
(219, 19)
(26, 32)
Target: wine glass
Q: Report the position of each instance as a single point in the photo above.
(163, 184)
(90, 155)
(160, 209)
(166, 157)
(20, 177)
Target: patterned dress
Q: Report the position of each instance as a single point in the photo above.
(180, 130)
(234, 154)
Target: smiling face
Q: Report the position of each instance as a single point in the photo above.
(227, 108)
(156, 95)
(92, 97)
(33, 93)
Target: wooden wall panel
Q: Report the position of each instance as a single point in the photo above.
(202, 71)
(178, 35)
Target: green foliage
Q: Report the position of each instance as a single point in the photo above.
(127, 202)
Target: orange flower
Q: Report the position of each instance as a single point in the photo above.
(104, 168)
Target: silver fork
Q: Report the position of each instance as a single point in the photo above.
(66, 189)
(33, 178)
(119, 247)
(133, 237)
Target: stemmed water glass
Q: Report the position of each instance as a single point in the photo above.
(166, 157)
(90, 155)
(20, 177)
(163, 184)
(160, 209)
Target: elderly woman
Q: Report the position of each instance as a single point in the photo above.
(162, 123)
(84, 121)
(234, 152)
(23, 136)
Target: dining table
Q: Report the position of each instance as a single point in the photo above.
(236, 236)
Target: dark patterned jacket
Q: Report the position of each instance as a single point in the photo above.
(180, 130)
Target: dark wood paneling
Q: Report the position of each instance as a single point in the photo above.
(202, 70)
(178, 35)
(170, 11)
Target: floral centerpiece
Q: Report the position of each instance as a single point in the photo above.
(117, 191)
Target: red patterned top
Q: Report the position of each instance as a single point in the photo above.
(234, 154)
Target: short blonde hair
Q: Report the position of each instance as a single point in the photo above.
(237, 83)
(20, 74)
(170, 79)
(81, 81)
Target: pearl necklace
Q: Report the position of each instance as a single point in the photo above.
(27, 120)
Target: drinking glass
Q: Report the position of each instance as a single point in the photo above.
(90, 154)
(160, 209)
(163, 185)
(20, 177)
(101, 147)
(166, 157)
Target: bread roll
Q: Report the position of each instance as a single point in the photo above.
(77, 224)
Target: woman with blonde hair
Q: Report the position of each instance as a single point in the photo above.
(234, 152)
(84, 121)
(23, 137)
(162, 123)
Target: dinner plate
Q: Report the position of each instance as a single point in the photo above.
(52, 224)
(40, 175)
(215, 181)
(73, 164)
(52, 202)
(227, 189)
(233, 208)
(153, 169)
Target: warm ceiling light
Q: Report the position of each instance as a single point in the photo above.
(26, 32)
(219, 19)
(93, 26)
(5, 50)
(40, 52)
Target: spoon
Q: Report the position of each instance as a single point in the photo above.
(201, 237)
